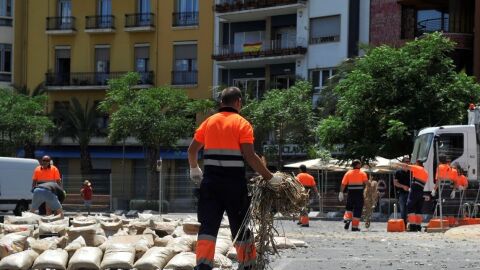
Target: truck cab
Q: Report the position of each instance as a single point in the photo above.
(459, 143)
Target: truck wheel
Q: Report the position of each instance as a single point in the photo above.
(21, 206)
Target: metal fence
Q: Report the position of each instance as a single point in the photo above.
(100, 22)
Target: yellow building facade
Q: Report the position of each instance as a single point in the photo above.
(73, 47)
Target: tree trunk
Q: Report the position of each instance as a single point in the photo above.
(280, 148)
(29, 149)
(152, 179)
(85, 161)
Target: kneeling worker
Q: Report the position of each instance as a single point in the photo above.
(51, 194)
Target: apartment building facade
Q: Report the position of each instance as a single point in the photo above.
(262, 45)
(75, 46)
(394, 22)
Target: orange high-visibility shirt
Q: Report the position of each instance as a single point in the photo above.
(355, 179)
(306, 179)
(443, 172)
(222, 134)
(419, 173)
(462, 181)
(46, 175)
(453, 175)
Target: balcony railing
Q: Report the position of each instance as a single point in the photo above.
(185, 18)
(139, 20)
(432, 25)
(260, 49)
(90, 78)
(222, 6)
(184, 77)
(100, 22)
(61, 23)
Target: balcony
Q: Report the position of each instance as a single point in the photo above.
(462, 40)
(89, 80)
(243, 10)
(184, 78)
(258, 54)
(184, 19)
(100, 24)
(61, 26)
(140, 22)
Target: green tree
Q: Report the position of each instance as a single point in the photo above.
(23, 121)
(79, 123)
(392, 92)
(287, 113)
(157, 117)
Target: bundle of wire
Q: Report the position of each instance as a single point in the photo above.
(287, 199)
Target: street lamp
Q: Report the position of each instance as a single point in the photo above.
(159, 170)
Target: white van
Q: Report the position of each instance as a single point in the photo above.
(16, 183)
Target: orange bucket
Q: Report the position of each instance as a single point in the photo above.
(465, 221)
(396, 225)
(436, 223)
(475, 220)
(452, 221)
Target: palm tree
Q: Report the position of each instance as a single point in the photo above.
(79, 123)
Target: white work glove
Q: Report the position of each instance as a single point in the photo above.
(196, 175)
(275, 182)
(461, 188)
(452, 195)
(434, 193)
(340, 196)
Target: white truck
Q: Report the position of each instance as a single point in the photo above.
(460, 143)
(16, 183)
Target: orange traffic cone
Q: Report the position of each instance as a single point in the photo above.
(395, 224)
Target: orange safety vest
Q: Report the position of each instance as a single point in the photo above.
(306, 179)
(221, 134)
(419, 174)
(45, 175)
(355, 179)
(443, 172)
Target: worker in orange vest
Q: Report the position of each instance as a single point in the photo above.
(461, 182)
(355, 181)
(227, 140)
(415, 196)
(443, 175)
(45, 172)
(308, 182)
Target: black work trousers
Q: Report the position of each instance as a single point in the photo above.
(415, 200)
(355, 202)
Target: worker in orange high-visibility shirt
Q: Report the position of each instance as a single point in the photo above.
(227, 140)
(415, 196)
(308, 182)
(443, 175)
(46, 172)
(355, 181)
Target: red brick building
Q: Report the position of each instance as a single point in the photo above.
(394, 22)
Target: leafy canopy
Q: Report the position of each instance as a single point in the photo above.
(390, 93)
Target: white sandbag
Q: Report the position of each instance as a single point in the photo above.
(178, 232)
(283, 242)
(182, 244)
(40, 245)
(467, 232)
(191, 227)
(225, 233)
(12, 243)
(121, 232)
(76, 244)
(52, 259)
(26, 218)
(12, 228)
(118, 256)
(150, 232)
(164, 228)
(182, 261)
(155, 258)
(19, 261)
(222, 262)
(223, 245)
(139, 225)
(86, 258)
(98, 240)
(144, 217)
(51, 218)
(232, 253)
(298, 243)
(51, 228)
(111, 228)
(88, 233)
(162, 241)
(142, 246)
(83, 222)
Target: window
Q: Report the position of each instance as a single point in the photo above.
(104, 7)
(248, 41)
(64, 8)
(102, 64)
(5, 11)
(186, 13)
(62, 66)
(5, 62)
(319, 78)
(325, 29)
(185, 64)
(429, 21)
(142, 58)
(143, 6)
(451, 145)
(252, 88)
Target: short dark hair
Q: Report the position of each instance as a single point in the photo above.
(303, 168)
(356, 162)
(229, 95)
(442, 158)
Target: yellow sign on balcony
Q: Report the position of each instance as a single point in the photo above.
(252, 47)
